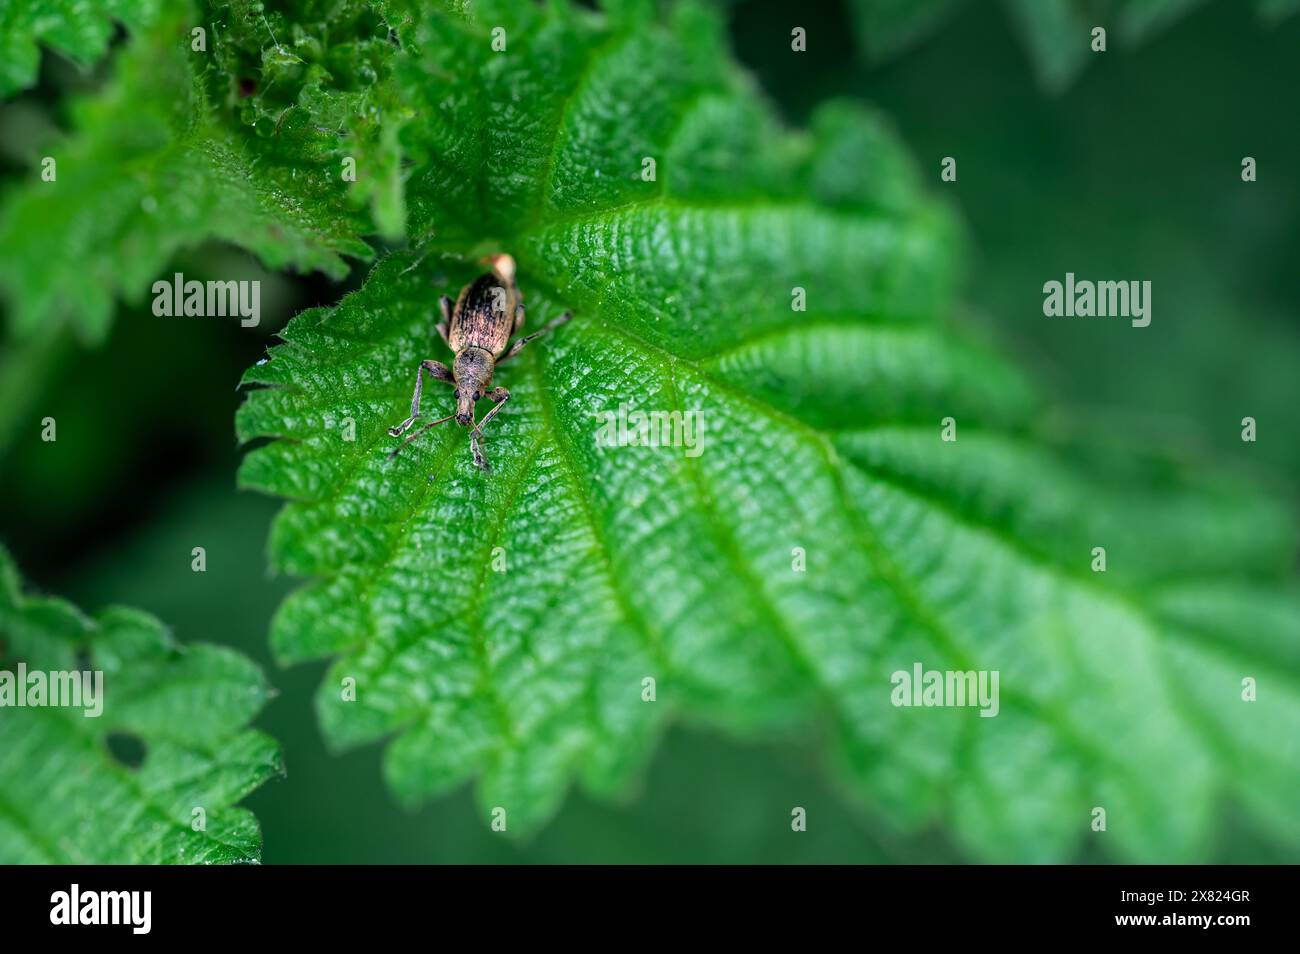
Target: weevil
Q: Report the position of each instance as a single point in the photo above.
(477, 327)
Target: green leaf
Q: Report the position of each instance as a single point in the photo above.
(67, 797)
(501, 626)
(169, 156)
(69, 26)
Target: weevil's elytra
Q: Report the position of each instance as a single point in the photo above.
(477, 327)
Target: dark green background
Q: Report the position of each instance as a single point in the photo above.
(1134, 172)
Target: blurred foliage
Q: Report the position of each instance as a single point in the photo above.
(78, 30)
(1057, 34)
(1134, 172)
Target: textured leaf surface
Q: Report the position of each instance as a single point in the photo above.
(67, 798)
(1056, 33)
(821, 436)
(175, 152)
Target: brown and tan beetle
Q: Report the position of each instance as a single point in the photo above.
(477, 327)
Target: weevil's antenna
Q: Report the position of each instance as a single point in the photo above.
(443, 420)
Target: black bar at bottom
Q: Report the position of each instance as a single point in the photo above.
(337, 904)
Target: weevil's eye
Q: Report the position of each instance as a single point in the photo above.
(478, 395)
(456, 392)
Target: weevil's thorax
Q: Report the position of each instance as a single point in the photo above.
(484, 316)
(473, 369)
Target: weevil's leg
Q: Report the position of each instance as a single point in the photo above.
(498, 397)
(519, 319)
(519, 345)
(441, 420)
(480, 460)
(445, 305)
(435, 369)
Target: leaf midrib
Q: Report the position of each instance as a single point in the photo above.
(1051, 713)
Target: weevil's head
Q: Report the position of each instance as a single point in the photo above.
(473, 370)
(503, 266)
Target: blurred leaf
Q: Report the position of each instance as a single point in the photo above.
(25, 366)
(887, 27)
(65, 797)
(1057, 33)
(822, 437)
(1275, 10)
(78, 30)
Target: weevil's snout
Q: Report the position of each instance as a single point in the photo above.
(464, 405)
